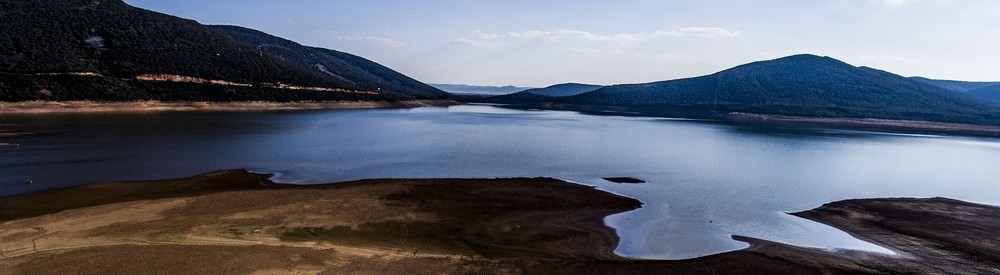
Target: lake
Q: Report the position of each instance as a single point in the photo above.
(705, 180)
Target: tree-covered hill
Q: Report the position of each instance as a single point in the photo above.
(343, 68)
(801, 85)
(564, 89)
(543, 94)
(991, 93)
(96, 49)
(114, 39)
(983, 90)
(519, 98)
(955, 85)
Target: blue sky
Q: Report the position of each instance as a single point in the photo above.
(538, 43)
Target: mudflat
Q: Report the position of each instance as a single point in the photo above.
(933, 236)
(236, 222)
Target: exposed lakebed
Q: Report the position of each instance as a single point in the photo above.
(706, 181)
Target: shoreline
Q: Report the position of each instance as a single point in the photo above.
(46, 107)
(863, 124)
(843, 123)
(517, 225)
(873, 124)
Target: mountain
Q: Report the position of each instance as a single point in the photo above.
(565, 89)
(345, 69)
(991, 93)
(549, 93)
(108, 50)
(801, 85)
(518, 98)
(954, 85)
(478, 90)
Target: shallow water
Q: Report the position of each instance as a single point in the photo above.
(705, 181)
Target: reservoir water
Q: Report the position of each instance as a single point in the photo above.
(706, 181)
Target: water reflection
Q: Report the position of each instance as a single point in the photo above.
(705, 181)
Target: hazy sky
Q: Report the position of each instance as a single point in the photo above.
(537, 43)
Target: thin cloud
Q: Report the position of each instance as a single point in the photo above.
(493, 40)
(579, 50)
(560, 35)
(711, 32)
(590, 50)
(372, 39)
(476, 43)
(674, 57)
(889, 58)
(893, 2)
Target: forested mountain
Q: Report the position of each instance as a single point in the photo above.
(983, 90)
(108, 50)
(519, 98)
(565, 89)
(955, 85)
(802, 85)
(478, 90)
(342, 68)
(991, 93)
(549, 93)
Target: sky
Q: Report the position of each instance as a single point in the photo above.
(538, 43)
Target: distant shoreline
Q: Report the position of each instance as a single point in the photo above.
(888, 125)
(846, 123)
(873, 124)
(45, 107)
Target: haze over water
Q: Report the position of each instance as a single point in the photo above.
(706, 181)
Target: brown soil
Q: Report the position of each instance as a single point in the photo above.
(235, 222)
(936, 235)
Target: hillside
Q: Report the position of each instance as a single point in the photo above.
(955, 85)
(549, 93)
(108, 50)
(345, 69)
(991, 93)
(801, 85)
(565, 89)
(519, 98)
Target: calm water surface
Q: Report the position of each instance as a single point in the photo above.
(706, 181)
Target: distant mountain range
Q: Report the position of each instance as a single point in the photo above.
(799, 85)
(478, 90)
(954, 85)
(991, 93)
(565, 89)
(545, 94)
(984, 90)
(108, 50)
